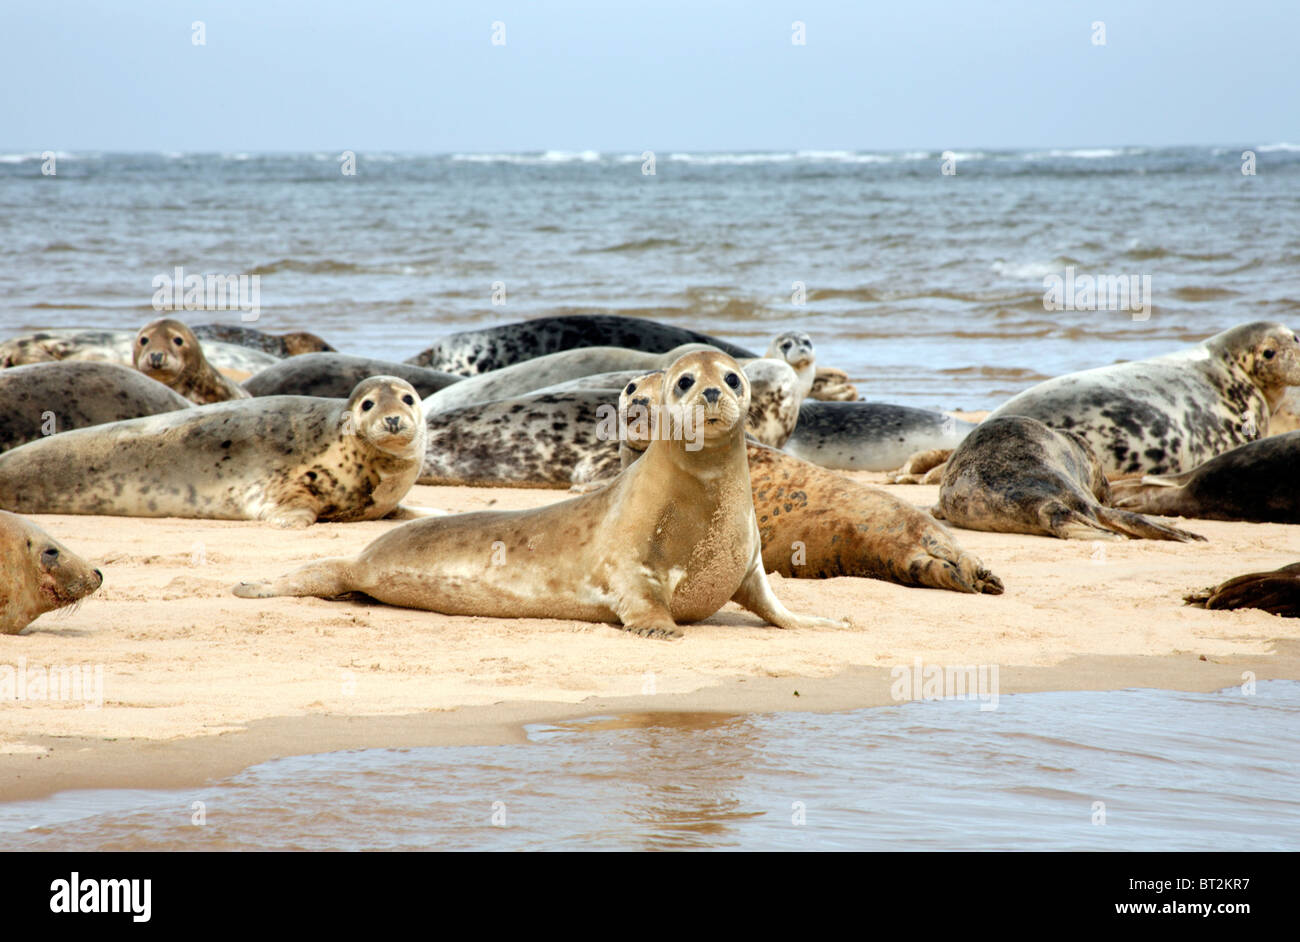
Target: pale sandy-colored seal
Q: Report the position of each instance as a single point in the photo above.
(1258, 482)
(1170, 413)
(167, 351)
(870, 436)
(37, 574)
(1277, 592)
(1015, 475)
(521, 379)
(45, 398)
(288, 460)
(671, 540)
(335, 375)
(815, 524)
(118, 346)
(471, 352)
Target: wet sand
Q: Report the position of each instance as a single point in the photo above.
(198, 683)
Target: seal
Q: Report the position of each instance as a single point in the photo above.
(529, 376)
(118, 346)
(292, 344)
(815, 524)
(796, 348)
(481, 351)
(44, 398)
(37, 574)
(1168, 414)
(570, 437)
(1015, 475)
(288, 460)
(546, 440)
(1276, 592)
(671, 540)
(167, 351)
(335, 375)
(870, 436)
(1255, 482)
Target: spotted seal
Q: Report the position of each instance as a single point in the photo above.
(815, 524)
(491, 348)
(288, 460)
(334, 375)
(1170, 413)
(870, 436)
(45, 398)
(671, 540)
(118, 346)
(1259, 481)
(37, 574)
(291, 344)
(521, 379)
(167, 351)
(1276, 592)
(1015, 475)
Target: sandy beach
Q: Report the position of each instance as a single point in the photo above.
(197, 683)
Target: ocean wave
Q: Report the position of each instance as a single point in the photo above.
(1271, 148)
(34, 155)
(1035, 270)
(547, 157)
(639, 245)
(1086, 153)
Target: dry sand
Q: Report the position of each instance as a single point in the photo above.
(198, 683)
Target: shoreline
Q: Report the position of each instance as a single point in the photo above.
(199, 684)
(82, 763)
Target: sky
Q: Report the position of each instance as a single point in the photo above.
(625, 76)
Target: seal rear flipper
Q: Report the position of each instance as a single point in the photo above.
(1143, 528)
(326, 579)
(1066, 523)
(755, 595)
(1276, 592)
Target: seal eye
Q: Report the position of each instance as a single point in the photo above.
(1269, 354)
(50, 556)
(786, 345)
(408, 399)
(143, 341)
(686, 382)
(733, 380)
(179, 341)
(367, 406)
(631, 388)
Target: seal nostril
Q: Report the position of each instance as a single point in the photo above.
(712, 394)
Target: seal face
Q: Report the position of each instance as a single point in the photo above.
(46, 398)
(870, 436)
(168, 352)
(289, 460)
(481, 351)
(1015, 475)
(1276, 592)
(1254, 482)
(670, 540)
(796, 348)
(335, 375)
(1172, 412)
(814, 524)
(37, 574)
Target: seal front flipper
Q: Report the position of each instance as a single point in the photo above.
(755, 594)
(648, 618)
(291, 518)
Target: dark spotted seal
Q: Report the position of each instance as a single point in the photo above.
(870, 436)
(167, 351)
(335, 375)
(291, 344)
(46, 398)
(481, 351)
(37, 574)
(1277, 592)
(1015, 475)
(289, 460)
(1258, 482)
(1169, 413)
(671, 540)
